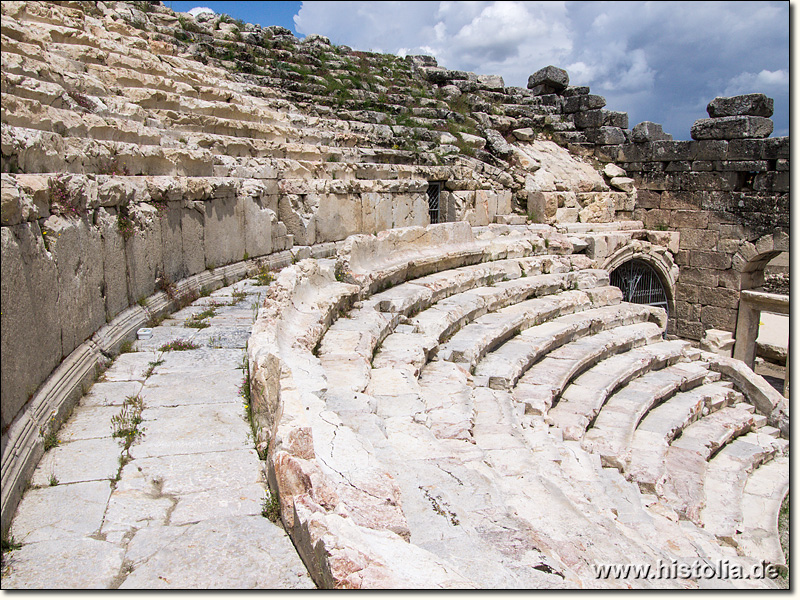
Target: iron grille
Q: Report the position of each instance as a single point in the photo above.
(434, 192)
(640, 284)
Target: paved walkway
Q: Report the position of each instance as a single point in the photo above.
(181, 508)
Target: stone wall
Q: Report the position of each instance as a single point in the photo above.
(726, 191)
(66, 275)
(728, 199)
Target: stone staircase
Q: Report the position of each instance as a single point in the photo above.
(492, 418)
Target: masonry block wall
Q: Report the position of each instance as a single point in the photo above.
(729, 199)
(726, 191)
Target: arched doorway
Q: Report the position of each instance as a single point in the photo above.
(640, 284)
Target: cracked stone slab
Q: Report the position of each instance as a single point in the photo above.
(236, 553)
(131, 366)
(81, 460)
(51, 564)
(189, 430)
(234, 501)
(89, 422)
(164, 335)
(59, 512)
(110, 393)
(133, 509)
(176, 389)
(179, 474)
(218, 336)
(200, 361)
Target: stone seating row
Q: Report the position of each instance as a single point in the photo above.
(166, 96)
(453, 422)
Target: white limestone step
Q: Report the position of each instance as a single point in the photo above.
(726, 477)
(612, 432)
(405, 349)
(165, 96)
(651, 439)
(502, 368)
(409, 298)
(581, 400)
(447, 316)
(415, 295)
(448, 400)
(762, 497)
(686, 460)
(546, 380)
(473, 341)
(347, 348)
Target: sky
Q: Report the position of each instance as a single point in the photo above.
(657, 61)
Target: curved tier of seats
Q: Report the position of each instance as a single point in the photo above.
(486, 418)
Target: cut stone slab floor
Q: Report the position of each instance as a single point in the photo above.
(181, 508)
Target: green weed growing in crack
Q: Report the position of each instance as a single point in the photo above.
(271, 507)
(246, 393)
(151, 367)
(238, 296)
(178, 345)
(8, 544)
(125, 425)
(49, 434)
(198, 320)
(340, 273)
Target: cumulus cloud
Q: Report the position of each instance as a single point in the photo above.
(658, 61)
(199, 10)
(763, 81)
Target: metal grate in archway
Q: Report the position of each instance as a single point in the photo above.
(640, 284)
(434, 194)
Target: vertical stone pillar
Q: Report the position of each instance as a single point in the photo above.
(746, 334)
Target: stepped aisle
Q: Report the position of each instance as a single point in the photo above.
(176, 505)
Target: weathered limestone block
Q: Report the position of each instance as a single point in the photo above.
(729, 128)
(646, 131)
(599, 211)
(492, 83)
(716, 317)
(115, 286)
(582, 102)
(606, 136)
(410, 210)
(526, 134)
(192, 237)
(548, 80)
(172, 241)
(473, 141)
(29, 300)
(496, 144)
(143, 255)
(624, 184)
(756, 105)
(258, 224)
(559, 170)
(299, 214)
(611, 170)
(377, 212)
(24, 198)
(224, 233)
(598, 118)
(80, 307)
